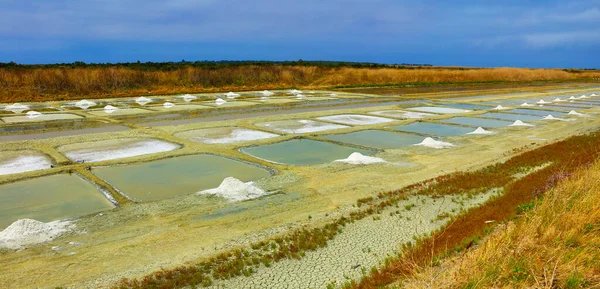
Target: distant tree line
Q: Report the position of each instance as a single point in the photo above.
(170, 66)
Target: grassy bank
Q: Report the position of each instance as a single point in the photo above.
(75, 82)
(555, 243)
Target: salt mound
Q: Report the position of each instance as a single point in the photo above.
(267, 93)
(542, 101)
(360, 159)
(499, 107)
(551, 117)
(16, 107)
(333, 95)
(25, 232)
(33, 114)
(526, 104)
(429, 142)
(583, 96)
(300, 96)
(235, 190)
(558, 100)
(189, 97)
(168, 105)
(572, 98)
(593, 94)
(232, 95)
(110, 109)
(84, 104)
(295, 91)
(220, 101)
(480, 130)
(572, 112)
(143, 100)
(520, 123)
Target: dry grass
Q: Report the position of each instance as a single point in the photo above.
(41, 84)
(555, 244)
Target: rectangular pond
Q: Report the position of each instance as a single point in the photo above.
(437, 129)
(467, 106)
(439, 109)
(535, 111)
(50, 198)
(377, 139)
(356, 119)
(222, 135)
(475, 122)
(300, 125)
(40, 118)
(511, 117)
(303, 152)
(170, 177)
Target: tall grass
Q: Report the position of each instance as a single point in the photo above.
(555, 244)
(62, 83)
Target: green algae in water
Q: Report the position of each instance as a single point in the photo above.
(50, 198)
(437, 129)
(377, 139)
(167, 178)
(303, 152)
(475, 122)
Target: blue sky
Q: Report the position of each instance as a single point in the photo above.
(472, 33)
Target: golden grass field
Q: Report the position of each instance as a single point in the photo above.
(63, 83)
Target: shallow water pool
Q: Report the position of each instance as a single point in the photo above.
(436, 129)
(377, 139)
(511, 117)
(303, 152)
(467, 106)
(439, 109)
(535, 111)
(50, 198)
(475, 122)
(222, 135)
(43, 117)
(171, 177)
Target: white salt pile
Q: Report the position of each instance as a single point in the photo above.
(526, 104)
(235, 190)
(299, 96)
(33, 114)
(572, 98)
(189, 97)
(22, 164)
(267, 93)
(436, 144)
(593, 94)
(85, 104)
(558, 100)
(143, 100)
(551, 117)
(499, 107)
(295, 91)
(16, 107)
(220, 101)
(481, 130)
(231, 95)
(542, 101)
(26, 232)
(168, 105)
(333, 95)
(110, 109)
(572, 112)
(359, 159)
(583, 96)
(520, 123)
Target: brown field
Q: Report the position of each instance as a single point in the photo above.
(63, 83)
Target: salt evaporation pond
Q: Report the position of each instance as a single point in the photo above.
(303, 152)
(119, 112)
(221, 135)
(436, 129)
(42, 117)
(476, 122)
(511, 117)
(14, 162)
(535, 111)
(403, 114)
(50, 198)
(377, 139)
(468, 106)
(300, 126)
(162, 179)
(356, 119)
(115, 149)
(439, 109)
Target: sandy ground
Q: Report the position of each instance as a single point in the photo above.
(169, 233)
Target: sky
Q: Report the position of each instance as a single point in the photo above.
(470, 33)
